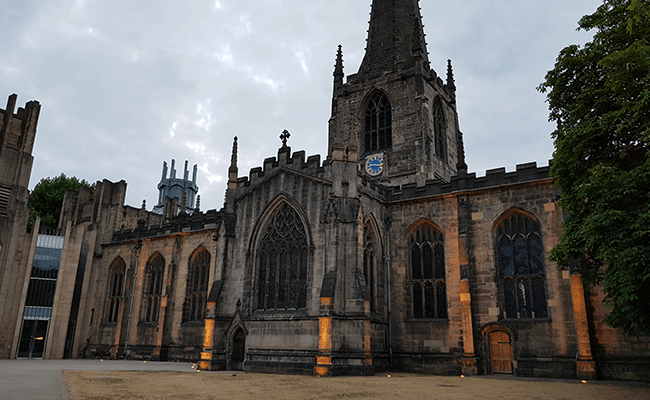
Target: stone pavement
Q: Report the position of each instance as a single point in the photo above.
(43, 379)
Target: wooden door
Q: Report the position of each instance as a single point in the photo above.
(500, 353)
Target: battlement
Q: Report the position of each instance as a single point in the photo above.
(493, 178)
(285, 159)
(181, 223)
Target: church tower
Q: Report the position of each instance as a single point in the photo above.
(396, 113)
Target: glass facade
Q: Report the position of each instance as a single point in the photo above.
(40, 295)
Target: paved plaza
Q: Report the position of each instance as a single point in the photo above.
(43, 380)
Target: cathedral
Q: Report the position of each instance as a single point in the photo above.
(386, 254)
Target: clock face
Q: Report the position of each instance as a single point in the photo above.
(375, 164)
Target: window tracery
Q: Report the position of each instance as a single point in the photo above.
(196, 294)
(282, 263)
(428, 273)
(520, 264)
(152, 292)
(115, 291)
(378, 124)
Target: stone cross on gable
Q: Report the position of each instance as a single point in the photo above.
(284, 136)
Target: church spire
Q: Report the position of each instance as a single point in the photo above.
(395, 36)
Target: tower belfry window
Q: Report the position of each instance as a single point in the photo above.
(378, 121)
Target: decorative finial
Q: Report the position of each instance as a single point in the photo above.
(284, 136)
(233, 157)
(338, 67)
(198, 204)
(144, 204)
(450, 77)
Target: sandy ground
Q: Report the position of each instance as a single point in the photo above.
(209, 385)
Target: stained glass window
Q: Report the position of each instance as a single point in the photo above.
(115, 290)
(196, 294)
(428, 273)
(520, 262)
(152, 292)
(282, 263)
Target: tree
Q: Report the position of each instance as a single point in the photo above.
(47, 198)
(599, 96)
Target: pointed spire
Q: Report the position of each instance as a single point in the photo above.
(338, 70)
(450, 77)
(395, 36)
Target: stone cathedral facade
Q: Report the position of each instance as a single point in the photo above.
(386, 254)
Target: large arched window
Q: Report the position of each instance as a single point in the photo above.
(282, 262)
(369, 260)
(378, 121)
(152, 292)
(428, 273)
(439, 129)
(115, 291)
(520, 265)
(196, 293)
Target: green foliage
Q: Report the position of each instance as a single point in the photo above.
(599, 95)
(47, 198)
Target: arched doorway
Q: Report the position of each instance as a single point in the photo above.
(500, 352)
(238, 350)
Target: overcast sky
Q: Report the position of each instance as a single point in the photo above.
(127, 84)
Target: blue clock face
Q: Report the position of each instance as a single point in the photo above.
(375, 165)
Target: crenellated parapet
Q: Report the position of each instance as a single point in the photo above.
(285, 160)
(182, 223)
(494, 178)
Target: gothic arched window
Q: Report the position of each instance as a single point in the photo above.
(152, 292)
(115, 291)
(428, 273)
(282, 261)
(377, 134)
(196, 294)
(369, 259)
(520, 265)
(439, 128)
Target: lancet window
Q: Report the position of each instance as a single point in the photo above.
(378, 121)
(520, 264)
(152, 292)
(196, 294)
(439, 128)
(428, 273)
(115, 291)
(282, 263)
